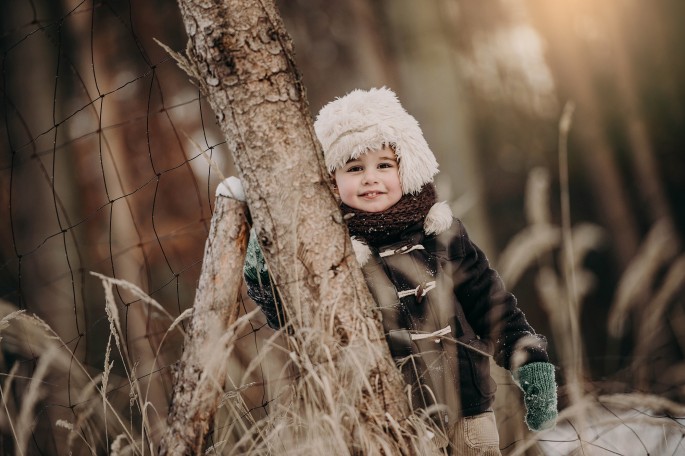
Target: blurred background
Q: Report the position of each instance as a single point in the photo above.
(104, 148)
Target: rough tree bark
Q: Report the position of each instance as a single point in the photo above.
(242, 57)
(199, 380)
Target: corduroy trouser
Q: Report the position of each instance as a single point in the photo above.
(476, 436)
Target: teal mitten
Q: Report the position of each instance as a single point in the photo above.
(255, 266)
(539, 394)
(258, 283)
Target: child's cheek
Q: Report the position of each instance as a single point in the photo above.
(345, 196)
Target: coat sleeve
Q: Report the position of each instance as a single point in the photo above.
(490, 309)
(259, 287)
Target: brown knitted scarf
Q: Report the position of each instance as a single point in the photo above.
(378, 228)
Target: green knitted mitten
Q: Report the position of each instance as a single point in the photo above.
(255, 266)
(539, 394)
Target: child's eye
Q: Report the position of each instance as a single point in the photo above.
(354, 169)
(386, 165)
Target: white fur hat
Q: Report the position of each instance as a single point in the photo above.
(347, 127)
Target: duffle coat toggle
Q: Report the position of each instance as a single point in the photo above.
(402, 250)
(420, 291)
(437, 335)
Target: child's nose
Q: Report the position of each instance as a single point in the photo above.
(370, 176)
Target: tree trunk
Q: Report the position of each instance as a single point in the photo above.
(242, 58)
(198, 386)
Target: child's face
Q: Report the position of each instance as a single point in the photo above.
(371, 182)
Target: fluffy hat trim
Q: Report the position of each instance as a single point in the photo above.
(349, 126)
(438, 220)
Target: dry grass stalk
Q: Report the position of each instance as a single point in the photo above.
(35, 392)
(655, 319)
(120, 446)
(537, 207)
(572, 360)
(536, 240)
(136, 393)
(84, 414)
(656, 310)
(524, 250)
(676, 321)
(636, 284)
(586, 237)
(4, 392)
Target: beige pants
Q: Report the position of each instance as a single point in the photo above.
(476, 436)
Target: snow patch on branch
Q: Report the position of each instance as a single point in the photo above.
(231, 187)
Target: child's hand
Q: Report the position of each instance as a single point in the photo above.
(539, 394)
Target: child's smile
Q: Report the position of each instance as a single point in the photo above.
(371, 182)
(370, 195)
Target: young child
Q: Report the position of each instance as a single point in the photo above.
(445, 311)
